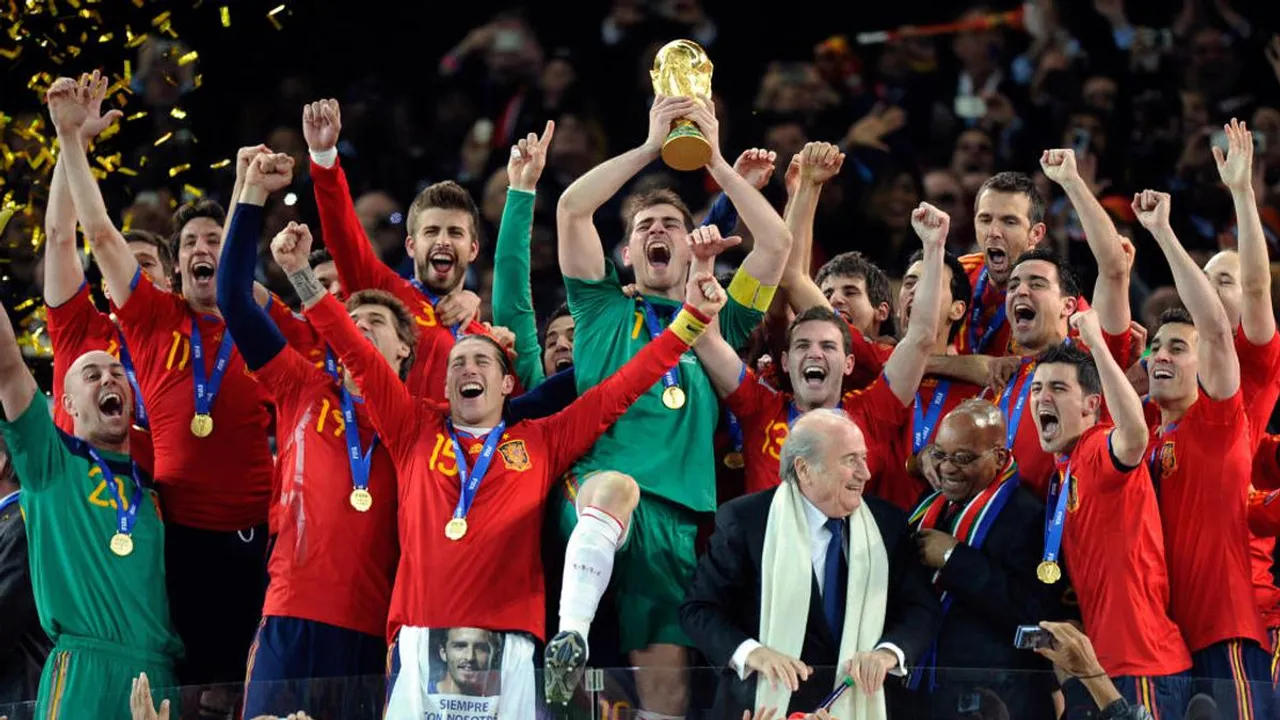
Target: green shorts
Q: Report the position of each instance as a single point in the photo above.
(652, 571)
(86, 678)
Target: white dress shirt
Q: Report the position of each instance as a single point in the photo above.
(819, 539)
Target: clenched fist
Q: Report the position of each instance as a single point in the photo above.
(291, 247)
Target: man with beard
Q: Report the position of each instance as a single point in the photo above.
(468, 655)
(201, 401)
(464, 469)
(1201, 457)
(611, 328)
(95, 538)
(1104, 521)
(443, 223)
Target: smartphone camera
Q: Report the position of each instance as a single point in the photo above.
(1032, 637)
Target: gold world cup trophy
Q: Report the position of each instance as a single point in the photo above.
(682, 69)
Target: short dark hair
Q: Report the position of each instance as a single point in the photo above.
(855, 264)
(961, 288)
(647, 199)
(1069, 353)
(1015, 182)
(820, 313)
(1174, 315)
(319, 257)
(202, 208)
(406, 330)
(162, 248)
(1068, 283)
(446, 195)
(562, 310)
(497, 347)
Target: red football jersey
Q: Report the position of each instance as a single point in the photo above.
(766, 414)
(1113, 547)
(323, 542)
(492, 577)
(869, 358)
(1260, 381)
(894, 483)
(359, 268)
(1201, 466)
(75, 328)
(221, 482)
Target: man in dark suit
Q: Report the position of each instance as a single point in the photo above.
(817, 514)
(23, 645)
(984, 534)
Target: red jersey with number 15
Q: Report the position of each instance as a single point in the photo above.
(490, 578)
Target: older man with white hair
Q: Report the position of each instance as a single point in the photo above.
(833, 582)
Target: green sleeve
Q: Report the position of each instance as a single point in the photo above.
(35, 447)
(737, 322)
(512, 295)
(590, 300)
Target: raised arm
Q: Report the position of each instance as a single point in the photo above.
(723, 365)
(816, 164)
(1111, 293)
(69, 105)
(1130, 435)
(255, 335)
(17, 386)
(512, 292)
(580, 249)
(1219, 373)
(907, 363)
(768, 255)
(1236, 169)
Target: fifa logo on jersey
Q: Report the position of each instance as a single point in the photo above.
(515, 455)
(1168, 459)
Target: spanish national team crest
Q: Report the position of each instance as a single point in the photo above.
(1168, 459)
(515, 455)
(1073, 497)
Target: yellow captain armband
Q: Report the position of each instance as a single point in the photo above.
(749, 292)
(689, 324)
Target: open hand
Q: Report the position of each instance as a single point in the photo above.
(291, 247)
(819, 162)
(141, 705)
(706, 242)
(95, 86)
(68, 106)
(756, 166)
(1235, 167)
(528, 158)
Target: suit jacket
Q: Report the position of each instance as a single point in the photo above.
(723, 606)
(23, 644)
(994, 589)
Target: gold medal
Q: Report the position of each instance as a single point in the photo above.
(913, 466)
(361, 500)
(734, 460)
(1049, 572)
(202, 425)
(121, 544)
(673, 397)
(455, 528)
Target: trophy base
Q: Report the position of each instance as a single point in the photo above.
(685, 148)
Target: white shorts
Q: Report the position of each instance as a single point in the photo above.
(462, 674)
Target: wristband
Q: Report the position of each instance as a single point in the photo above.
(749, 292)
(687, 325)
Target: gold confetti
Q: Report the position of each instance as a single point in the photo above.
(127, 171)
(198, 80)
(271, 15)
(193, 191)
(225, 13)
(220, 164)
(188, 58)
(106, 37)
(177, 170)
(137, 116)
(163, 139)
(24, 304)
(13, 54)
(178, 113)
(128, 71)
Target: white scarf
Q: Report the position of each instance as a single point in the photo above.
(784, 602)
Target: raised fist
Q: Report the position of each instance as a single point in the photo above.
(321, 123)
(931, 225)
(291, 247)
(270, 171)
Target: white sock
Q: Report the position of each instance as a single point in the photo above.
(650, 715)
(588, 564)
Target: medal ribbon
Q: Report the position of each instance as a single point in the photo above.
(207, 389)
(976, 344)
(358, 461)
(9, 500)
(139, 409)
(1013, 416)
(434, 300)
(125, 519)
(731, 420)
(972, 526)
(670, 378)
(922, 424)
(793, 413)
(470, 478)
(1153, 462)
(1059, 494)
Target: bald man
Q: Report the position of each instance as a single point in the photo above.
(95, 538)
(983, 532)
(833, 581)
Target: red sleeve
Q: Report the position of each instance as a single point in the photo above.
(295, 328)
(73, 327)
(287, 377)
(878, 412)
(359, 268)
(1120, 347)
(394, 412)
(1264, 513)
(1215, 420)
(149, 307)
(1266, 467)
(571, 432)
(751, 400)
(869, 358)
